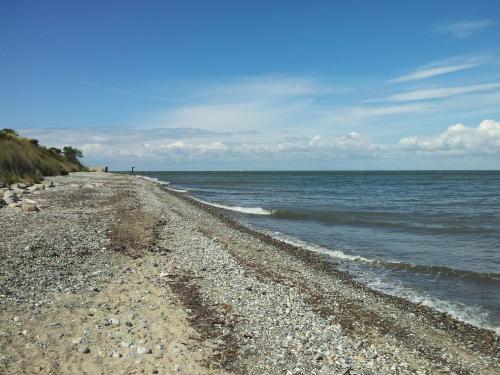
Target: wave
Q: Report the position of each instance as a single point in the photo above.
(177, 190)
(317, 248)
(245, 210)
(154, 180)
(474, 315)
(485, 277)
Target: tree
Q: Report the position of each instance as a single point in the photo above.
(10, 131)
(72, 153)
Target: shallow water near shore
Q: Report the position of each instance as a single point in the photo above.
(429, 236)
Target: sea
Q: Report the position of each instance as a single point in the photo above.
(432, 237)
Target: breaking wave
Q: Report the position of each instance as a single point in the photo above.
(245, 210)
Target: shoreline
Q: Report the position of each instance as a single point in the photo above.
(326, 263)
(144, 279)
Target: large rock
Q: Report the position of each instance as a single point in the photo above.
(36, 187)
(2, 184)
(19, 185)
(10, 196)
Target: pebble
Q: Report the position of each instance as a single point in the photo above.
(143, 350)
(126, 344)
(84, 349)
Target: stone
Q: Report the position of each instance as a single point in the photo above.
(114, 321)
(84, 349)
(77, 341)
(19, 191)
(15, 205)
(125, 344)
(36, 187)
(11, 195)
(92, 311)
(143, 350)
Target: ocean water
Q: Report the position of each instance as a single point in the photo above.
(429, 236)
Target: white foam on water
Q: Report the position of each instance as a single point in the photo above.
(177, 190)
(245, 210)
(473, 315)
(154, 180)
(318, 249)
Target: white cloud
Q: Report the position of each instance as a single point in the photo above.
(422, 73)
(456, 140)
(163, 99)
(459, 138)
(442, 92)
(269, 86)
(464, 29)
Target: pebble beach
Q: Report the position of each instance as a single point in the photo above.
(107, 273)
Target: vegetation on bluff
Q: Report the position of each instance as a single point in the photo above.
(24, 159)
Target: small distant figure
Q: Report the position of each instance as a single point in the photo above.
(133, 170)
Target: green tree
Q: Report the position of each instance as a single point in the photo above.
(72, 153)
(8, 132)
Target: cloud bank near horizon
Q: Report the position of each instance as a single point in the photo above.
(182, 145)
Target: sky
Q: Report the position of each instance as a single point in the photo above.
(256, 85)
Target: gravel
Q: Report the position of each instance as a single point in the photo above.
(76, 261)
(263, 307)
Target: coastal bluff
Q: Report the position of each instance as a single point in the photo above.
(114, 274)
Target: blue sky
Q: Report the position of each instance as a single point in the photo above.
(256, 85)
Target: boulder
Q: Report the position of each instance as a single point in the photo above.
(36, 187)
(10, 195)
(19, 185)
(19, 191)
(14, 204)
